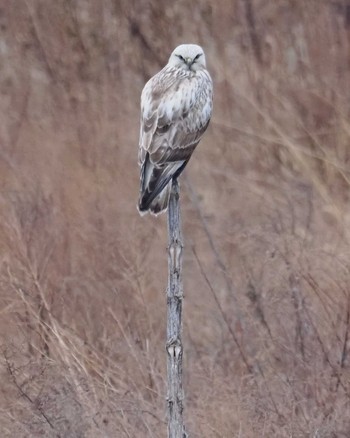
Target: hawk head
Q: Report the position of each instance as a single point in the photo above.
(188, 57)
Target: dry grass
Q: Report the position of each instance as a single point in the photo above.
(265, 209)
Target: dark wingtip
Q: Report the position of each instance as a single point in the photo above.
(143, 204)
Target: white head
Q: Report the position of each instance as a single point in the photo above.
(188, 57)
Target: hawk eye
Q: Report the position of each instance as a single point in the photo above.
(180, 57)
(199, 54)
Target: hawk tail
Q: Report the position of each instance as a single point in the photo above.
(159, 204)
(156, 185)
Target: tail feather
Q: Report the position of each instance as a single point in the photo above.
(156, 185)
(160, 202)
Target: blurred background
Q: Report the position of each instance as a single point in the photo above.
(265, 209)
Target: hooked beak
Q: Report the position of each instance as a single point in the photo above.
(189, 62)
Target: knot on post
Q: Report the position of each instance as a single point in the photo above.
(175, 253)
(174, 348)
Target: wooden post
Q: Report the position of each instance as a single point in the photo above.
(174, 350)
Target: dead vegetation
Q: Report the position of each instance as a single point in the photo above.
(265, 220)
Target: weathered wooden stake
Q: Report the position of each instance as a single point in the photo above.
(174, 350)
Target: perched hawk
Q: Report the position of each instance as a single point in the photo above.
(176, 106)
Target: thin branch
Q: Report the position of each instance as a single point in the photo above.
(35, 405)
(253, 33)
(219, 261)
(223, 314)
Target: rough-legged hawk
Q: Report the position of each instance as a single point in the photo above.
(176, 106)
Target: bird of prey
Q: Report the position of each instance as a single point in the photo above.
(176, 106)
